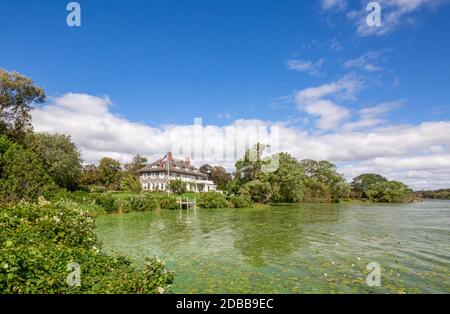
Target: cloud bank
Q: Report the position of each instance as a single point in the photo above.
(417, 154)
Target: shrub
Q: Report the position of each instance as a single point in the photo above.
(389, 192)
(168, 202)
(242, 201)
(107, 201)
(22, 175)
(38, 241)
(142, 203)
(212, 200)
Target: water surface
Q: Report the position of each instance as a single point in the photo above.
(306, 248)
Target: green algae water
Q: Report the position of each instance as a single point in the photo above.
(305, 248)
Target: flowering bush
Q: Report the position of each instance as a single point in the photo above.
(39, 241)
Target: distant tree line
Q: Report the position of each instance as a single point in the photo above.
(38, 164)
(443, 194)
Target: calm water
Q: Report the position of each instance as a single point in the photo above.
(296, 249)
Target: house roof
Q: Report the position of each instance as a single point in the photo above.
(176, 166)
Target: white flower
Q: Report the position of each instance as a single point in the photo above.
(5, 265)
(161, 290)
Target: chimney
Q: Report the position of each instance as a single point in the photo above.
(187, 161)
(169, 156)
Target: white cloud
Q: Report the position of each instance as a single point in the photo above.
(395, 14)
(333, 4)
(417, 154)
(312, 101)
(371, 116)
(312, 68)
(365, 63)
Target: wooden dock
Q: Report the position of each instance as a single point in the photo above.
(186, 203)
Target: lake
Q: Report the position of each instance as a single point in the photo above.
(302, 248)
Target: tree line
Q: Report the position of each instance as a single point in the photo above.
(38, 164)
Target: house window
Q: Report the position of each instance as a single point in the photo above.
(161, 174)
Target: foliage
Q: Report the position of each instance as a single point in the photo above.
(288, 180)
(18, 94)
(259, 191)
(389, 192)
(362, 183)
(206, 169)
(107, 201)
(443, 194)
(323, 181)
(177, 186)
(130, 183)
(248, 168)
(38, 241)
(22, 175)
(220, 177)
(135, 165)
(168, 202)
(60, 156)
(140, 203)
(243, 200)
(110, 172)
(212, 200)
(90, 175)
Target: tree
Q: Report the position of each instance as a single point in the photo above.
(18, 94)
(220, 177)
(249, 167)
(389, 192)
(22, 174)
(259, 191)
(288, 179)
(110, 172)
(177, 186)
(90, 175)
(206, 169)
(130, 183)
(136, 164)
(322, 177)
(362, 183)
(60, 156)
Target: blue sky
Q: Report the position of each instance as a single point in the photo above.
(166, 62)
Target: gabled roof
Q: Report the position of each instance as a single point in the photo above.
(176, 166)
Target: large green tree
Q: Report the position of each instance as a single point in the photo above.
(60, 156)
(389, 192)
(220, 177)
(362, 183)
(110, 172)
(288, 180)
(22, 174)
(18, 95)
(323, 181)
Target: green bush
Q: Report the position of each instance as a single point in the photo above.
(38, 241)
(142, 203)
(107, 201)
(22, 174)
(389, 192)
(212, 200)
(168, 202)
(241, 201)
